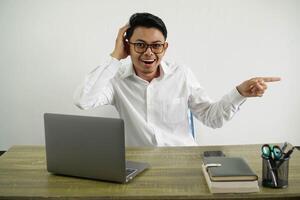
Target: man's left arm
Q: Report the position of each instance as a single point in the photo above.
(214, 113)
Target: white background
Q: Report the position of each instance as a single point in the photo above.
(47, 47)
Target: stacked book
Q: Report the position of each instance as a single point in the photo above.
(229, 175)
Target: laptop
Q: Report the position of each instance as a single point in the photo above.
(88, 147)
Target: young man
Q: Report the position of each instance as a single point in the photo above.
(153, 96)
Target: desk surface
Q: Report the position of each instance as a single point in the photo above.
(175, 173)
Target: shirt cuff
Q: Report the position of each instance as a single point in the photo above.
(235, 98)
(114, 64)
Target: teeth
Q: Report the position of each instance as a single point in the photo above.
(148, 60)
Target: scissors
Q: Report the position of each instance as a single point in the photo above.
(271, 152)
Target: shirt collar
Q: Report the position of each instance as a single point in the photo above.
(129, 71)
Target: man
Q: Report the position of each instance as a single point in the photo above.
(153, 96)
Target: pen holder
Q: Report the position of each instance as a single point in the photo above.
(275, 174)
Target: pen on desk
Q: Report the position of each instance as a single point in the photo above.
(284, 147)
(288, 154)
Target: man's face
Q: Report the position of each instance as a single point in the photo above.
(146, 63)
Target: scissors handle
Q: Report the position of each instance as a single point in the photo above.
(272, 152)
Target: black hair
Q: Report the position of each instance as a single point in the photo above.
(145, 20)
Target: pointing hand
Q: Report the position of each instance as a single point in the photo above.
(255, 87)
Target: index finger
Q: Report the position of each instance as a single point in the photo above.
(271, 79)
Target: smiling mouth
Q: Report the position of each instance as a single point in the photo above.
(148, 62)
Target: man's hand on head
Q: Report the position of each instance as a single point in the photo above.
(255, 87)
(120, 51)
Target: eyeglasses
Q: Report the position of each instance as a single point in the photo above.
(141, 47)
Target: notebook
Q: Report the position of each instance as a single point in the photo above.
(229, 169)
(88, 147)
(230, 186)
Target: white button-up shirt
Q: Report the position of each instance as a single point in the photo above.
(155, 113)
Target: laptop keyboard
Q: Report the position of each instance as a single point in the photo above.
(130, 171)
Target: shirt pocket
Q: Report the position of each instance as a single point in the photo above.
(174, 111)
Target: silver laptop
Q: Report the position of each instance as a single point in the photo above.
(88, 147)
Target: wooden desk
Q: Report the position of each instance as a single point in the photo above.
(175, 174)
